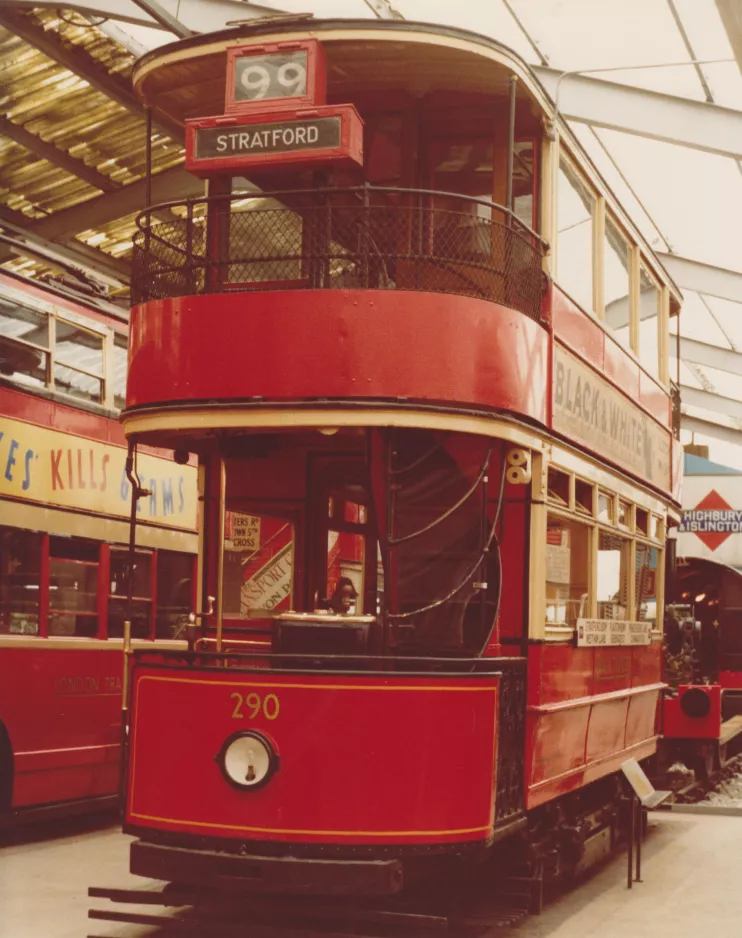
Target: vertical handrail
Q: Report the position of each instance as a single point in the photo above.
(220, 555)
(363, 239)
(190, 267)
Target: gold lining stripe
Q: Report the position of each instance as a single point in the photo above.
(317, 833)
(277, 686)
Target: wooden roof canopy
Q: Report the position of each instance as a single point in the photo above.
(187, 79)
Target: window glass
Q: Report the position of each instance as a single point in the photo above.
(584, 493)
(575, 237)
(613, 578)
(649, 306)
(73, 587)
(120, 354)
(605, 508)
(558, 486)
(567, 564)
(20, 580)
(24, 334)
(523, 167)
(616, 282)
(141, 604)
(384, 149)
(258, 564)
(346, 553)
(78, 369)
(647, 563)
(174, 592)
(438, 531)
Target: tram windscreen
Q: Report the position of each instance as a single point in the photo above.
(437, 540)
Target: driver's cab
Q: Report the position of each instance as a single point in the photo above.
(393, 522)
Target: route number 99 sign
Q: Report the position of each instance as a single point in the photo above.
(272, 78)
(261, 77)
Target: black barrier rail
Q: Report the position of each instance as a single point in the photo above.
(353, 238)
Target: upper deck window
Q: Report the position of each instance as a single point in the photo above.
(575, 207)
(79, 362)
(119, 370)
(616, 279)
(24, 343)
(649, 322)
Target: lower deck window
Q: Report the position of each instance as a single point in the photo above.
(20, 581)
(141, 600)
(73, 587)
(567, 570)
(174, 592)
(258, 565)
(613, 576)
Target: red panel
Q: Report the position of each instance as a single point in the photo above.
(338, 344)
(403, 760)
(65, 736)
(613, 669)
(607, 728)
(646, 664)
(558, 742)
(676, 725)
(577, 330)
(566, 673)
(731, 679)
(621, 369)
(642, 719)
(654, 398)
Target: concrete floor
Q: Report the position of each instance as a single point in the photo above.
(692, 887)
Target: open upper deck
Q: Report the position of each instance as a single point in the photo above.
(466, 256)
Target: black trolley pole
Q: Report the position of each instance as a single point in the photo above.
(136, 493)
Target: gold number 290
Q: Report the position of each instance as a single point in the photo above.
(254, 704)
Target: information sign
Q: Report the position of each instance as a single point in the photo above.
(603, 632)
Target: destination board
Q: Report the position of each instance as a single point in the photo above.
(322, 136)
(287, 136)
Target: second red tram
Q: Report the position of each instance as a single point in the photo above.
(425, 372)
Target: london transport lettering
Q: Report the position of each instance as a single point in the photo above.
(701, 521)
(50, 467)
(87, 686)
(284, 137)
(588, 408)
(594, 632)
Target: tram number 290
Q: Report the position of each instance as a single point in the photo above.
(252, 704)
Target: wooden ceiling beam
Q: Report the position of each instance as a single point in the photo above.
(78, 61)
(53, 154)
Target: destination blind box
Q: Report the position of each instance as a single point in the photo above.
(328, 135)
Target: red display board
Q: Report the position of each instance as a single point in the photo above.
(275, 76)
(242, 143)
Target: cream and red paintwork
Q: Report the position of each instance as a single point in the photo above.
(278, 360)
(60, 697)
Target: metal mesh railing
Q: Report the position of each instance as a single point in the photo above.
(370, 238)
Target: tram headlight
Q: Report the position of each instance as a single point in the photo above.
(247, 760)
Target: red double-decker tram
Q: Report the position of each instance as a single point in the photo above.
(425, 371)
(64, 554)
